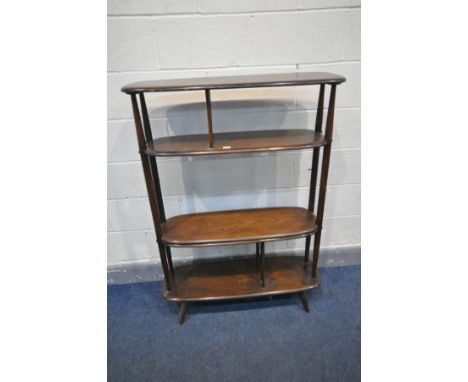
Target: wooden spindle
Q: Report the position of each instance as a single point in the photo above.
(210, 123)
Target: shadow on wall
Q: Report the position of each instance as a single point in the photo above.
(231, 181)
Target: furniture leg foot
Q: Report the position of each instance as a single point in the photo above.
(182, 311)
(303, 298)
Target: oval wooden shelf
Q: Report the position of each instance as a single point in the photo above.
(238, 278)
(236, 142)
(235, 82)
(239, 226)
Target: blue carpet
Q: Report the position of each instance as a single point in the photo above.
(242, 340)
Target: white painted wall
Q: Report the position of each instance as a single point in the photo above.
(182, 38)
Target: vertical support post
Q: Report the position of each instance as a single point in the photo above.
(315, 163)
(307, 249)
(152, 159)
(257, 254)
(150, 189)
(324, 178)
(155, 177)
(208, 111)
(262, 263)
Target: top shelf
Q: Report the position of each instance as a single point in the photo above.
(235, 82)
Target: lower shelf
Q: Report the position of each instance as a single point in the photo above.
(239, 278)
(239, 226)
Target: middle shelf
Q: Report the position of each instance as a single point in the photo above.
(238, 227)
(236, 142)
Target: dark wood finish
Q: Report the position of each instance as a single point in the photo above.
(315, 163)
(169, 258)
(152, 161)
(209, 116)
(236, 142)
(324, 178)
(239, 226)
(304, 301)
(146, 122)
(316, 151)
(307, 248)
(155, 212)
(262, 264)
(257, 253)
(156, 183)
(237, 278)
(182, 312)
(235, 82)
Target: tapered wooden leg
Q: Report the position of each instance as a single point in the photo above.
(182, 311)
(323, 179)
(303, 298)
(262, 263)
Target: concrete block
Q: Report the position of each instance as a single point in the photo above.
(258, 100)
(131, 45)
(352, 45)
(113, 105)
(204, 175)
(321, 4)
(125, 181)
(150, 7)
(341, 200)
(343, 230)
(122, 140)
(196, 42)
(263, 39)
(296, 38)
(207, 203)
(222, 6)
(198, 175)
(245, 70)
(345, 167)
(128, 246)
(255, 172)
(347, 129)
(129, 215)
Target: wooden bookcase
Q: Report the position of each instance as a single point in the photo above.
(243, 276)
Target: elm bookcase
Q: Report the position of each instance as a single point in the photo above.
(247, 275)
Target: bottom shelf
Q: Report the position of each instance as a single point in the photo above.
(238, 278)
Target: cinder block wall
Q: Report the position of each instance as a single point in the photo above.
(183, 38)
